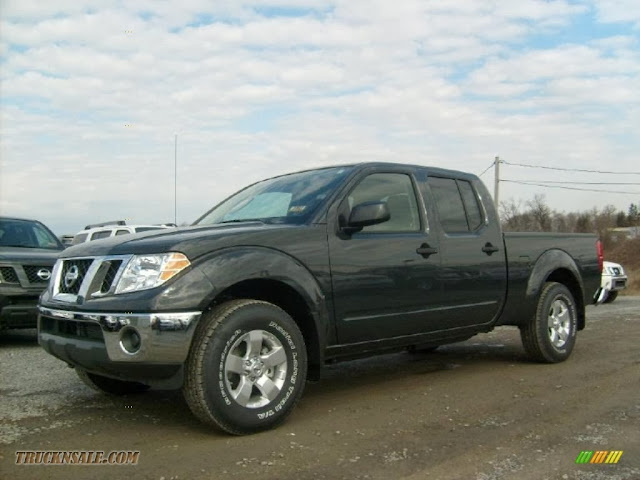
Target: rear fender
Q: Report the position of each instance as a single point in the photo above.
(557, 266)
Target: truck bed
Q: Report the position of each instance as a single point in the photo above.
(530, 256)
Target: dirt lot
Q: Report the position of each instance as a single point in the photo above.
(474, 410)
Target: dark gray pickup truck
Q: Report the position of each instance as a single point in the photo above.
(28, 251)
(241, 308)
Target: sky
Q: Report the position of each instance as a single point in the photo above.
(93, 94)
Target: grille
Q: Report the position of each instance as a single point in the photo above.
(9, 275)
(66, 283)
(32, 273)
(70, 328)
(110, 276)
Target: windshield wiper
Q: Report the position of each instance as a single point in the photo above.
(238, 220)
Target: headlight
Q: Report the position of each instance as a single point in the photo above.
(149, 271)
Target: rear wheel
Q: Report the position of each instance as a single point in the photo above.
(551, 334)
(247, 367)
(110, 386)
(611, 296)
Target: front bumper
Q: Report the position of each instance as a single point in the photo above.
(131, 338)
(18, 311)
(614, 283)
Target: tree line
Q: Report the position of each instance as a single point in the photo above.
(536, 216)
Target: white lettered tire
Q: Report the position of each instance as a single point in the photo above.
(247, 367)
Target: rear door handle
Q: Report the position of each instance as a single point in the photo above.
(425, 250)
(489, 248)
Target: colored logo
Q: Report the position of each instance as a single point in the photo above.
(601, 456)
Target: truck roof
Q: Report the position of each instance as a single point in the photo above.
(362, 165)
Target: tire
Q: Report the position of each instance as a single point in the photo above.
(110, 386)
(247, 367)
(550, 335)
(611, 296)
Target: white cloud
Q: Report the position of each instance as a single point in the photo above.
(92, 96)
(618, 11)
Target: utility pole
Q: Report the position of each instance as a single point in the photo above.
(496, 185)
(175, 180)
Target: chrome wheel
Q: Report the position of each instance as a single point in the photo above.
(255, 369)
(559, 322)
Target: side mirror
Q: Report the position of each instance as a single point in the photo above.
(367, 213)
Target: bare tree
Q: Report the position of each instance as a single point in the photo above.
(541, 213)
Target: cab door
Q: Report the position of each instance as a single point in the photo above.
(384, 277)
(473, 272)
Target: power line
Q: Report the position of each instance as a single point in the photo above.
(567, 188)
(568, 169)
(486, 169)
(578, 183)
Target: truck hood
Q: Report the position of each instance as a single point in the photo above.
(192, 241)
(29, 255)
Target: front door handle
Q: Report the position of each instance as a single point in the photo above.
(425, 250)
(489, 248)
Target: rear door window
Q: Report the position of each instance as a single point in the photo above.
(449, 204)
(457, 204)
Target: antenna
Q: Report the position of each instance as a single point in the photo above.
(175, 179)
(496, 185)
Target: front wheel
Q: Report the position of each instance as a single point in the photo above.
(550, 335)
(247, 367)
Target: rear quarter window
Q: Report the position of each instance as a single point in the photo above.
(471, 205)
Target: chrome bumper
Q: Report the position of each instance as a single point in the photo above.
(161, 338)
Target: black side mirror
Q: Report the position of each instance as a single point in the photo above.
(365, 214)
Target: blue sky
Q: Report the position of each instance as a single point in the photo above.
(92, 96)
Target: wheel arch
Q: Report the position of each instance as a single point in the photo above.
(558, 266)
(275, 277)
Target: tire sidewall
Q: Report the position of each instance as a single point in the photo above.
(557, 292)
(217, 395)
(611, 296)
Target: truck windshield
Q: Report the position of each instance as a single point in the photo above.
(26, 234)
(287, 199)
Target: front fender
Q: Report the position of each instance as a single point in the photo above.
(227, 267)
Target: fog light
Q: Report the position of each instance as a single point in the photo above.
(130, 340)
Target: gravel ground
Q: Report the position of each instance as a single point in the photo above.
(473, 410)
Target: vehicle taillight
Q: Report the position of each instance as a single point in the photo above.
(600, 250)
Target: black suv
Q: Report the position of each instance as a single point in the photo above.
(28, 251)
